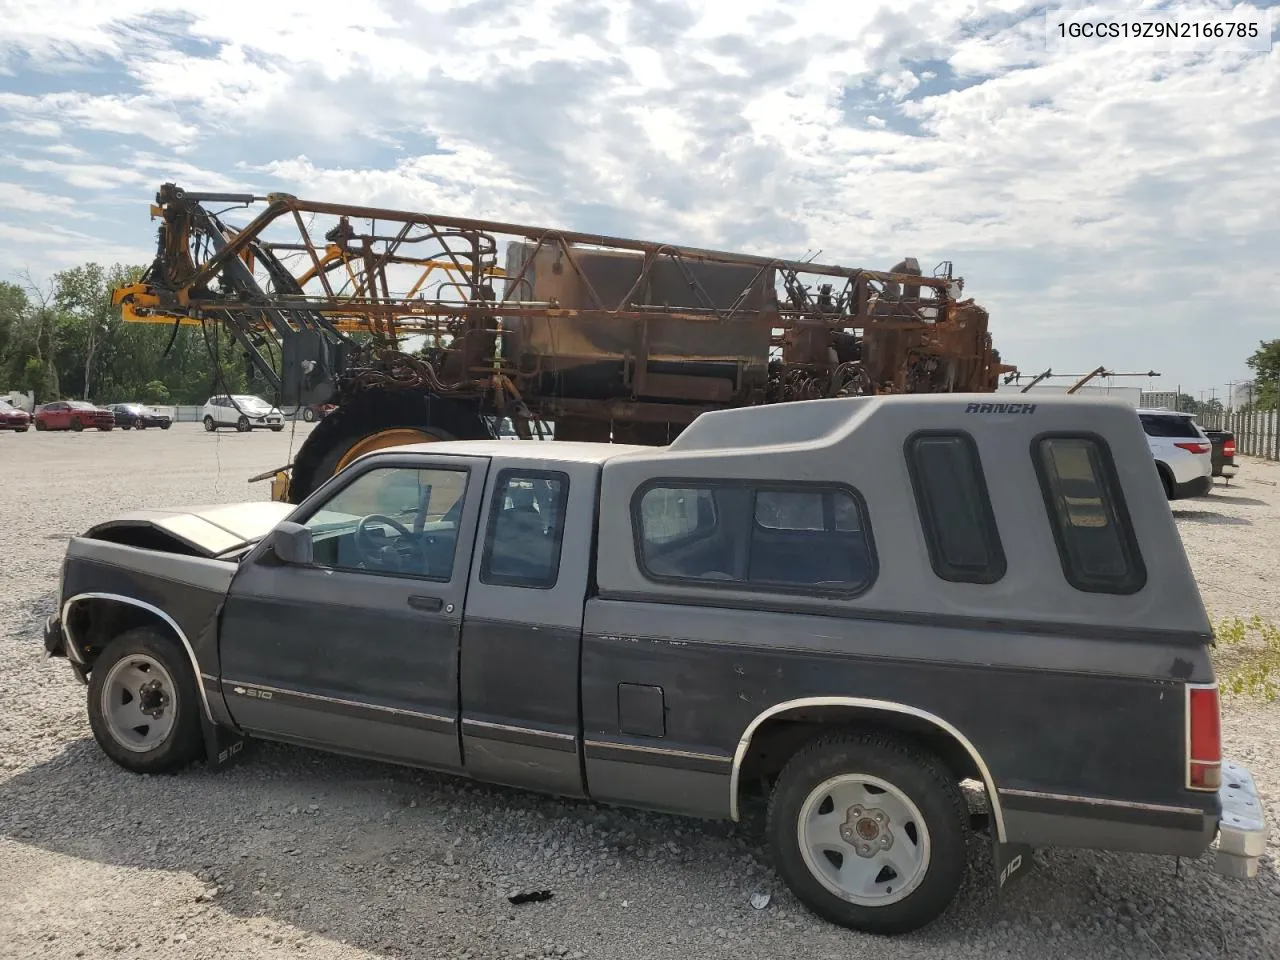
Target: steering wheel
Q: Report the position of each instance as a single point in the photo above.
(384, 554)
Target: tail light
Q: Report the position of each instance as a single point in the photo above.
(1229, 447)
(1195, 447)
(1204, 737)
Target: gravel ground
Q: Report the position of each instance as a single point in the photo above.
(297, 853)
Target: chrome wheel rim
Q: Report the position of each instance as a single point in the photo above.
(863, 839)
(139, 703)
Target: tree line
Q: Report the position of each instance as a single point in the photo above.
(65, 341)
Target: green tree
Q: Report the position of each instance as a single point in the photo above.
(155, 392)
(1265, 363)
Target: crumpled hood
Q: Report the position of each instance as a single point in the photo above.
(209, 530)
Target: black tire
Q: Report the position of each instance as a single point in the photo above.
(209, 425)
(370, 412)
(40, 426)
(77, 426)
(929, 785)
(1166, 481)
(184, 743)
(19, 429)
(125, 426)
(166, 425)
(277, 428)
(243, 424)
(308, 414)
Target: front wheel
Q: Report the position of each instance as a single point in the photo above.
(243, 424)
(869, 832)
(308, 414)
(40, 426)
(165, 425)
(143, 703)
(77, 426)
(19, 429)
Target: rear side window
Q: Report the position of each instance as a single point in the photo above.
(955, 509)
(802, 538)
(1091, 525)
(1156, 425)
(526, 530)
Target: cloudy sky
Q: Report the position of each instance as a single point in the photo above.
(1107, 205)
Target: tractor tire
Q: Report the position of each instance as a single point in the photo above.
(372, 412)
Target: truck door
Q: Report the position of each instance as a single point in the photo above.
(358, 651)
(522, 632)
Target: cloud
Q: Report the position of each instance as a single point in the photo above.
(1092, 196)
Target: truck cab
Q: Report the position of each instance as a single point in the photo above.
(998, 596)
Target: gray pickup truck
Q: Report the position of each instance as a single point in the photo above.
(858, 604)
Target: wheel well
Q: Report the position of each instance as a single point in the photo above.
(776, 740)
(95, 621)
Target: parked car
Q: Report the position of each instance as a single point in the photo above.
(11, 418)
(1181, 451)
(316, 411)
(130, 415)
(73, 415)
(1001, 596)
(245, 413)
(1224, 453)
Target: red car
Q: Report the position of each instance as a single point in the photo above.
(73, 415)
(11, 418)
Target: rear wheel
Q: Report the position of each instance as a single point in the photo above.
(209, 425)
(143, 703)
(869, 832)
(165, 425)
(374, 420)
(21, 429)
(40, 426)
(308, 414)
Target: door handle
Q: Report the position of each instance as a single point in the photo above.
(431, 604)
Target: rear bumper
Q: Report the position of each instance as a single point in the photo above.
(1242, 827)
(1196, 487)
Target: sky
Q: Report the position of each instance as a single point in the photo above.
(1110, 206)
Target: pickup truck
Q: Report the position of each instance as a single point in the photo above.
(999, 596)
(1224, 453)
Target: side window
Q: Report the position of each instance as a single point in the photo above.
(1091, 525)
(525, 530)
(396, 520)
(675, 513)
(802, 538)
(955, 508)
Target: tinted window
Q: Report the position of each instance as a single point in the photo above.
(801, 538)
(955, 509)
(1090, 523)
(525, 530)
(1169, 426)
(392, 520)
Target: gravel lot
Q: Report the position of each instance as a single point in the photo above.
(296, 853)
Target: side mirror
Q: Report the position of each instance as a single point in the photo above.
(291, 542)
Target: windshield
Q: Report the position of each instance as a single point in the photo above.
(81, 405)
(256, 402)
(5, 405)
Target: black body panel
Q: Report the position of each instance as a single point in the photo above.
(1006, 694)
(348, 661)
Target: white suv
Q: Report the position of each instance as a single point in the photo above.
(245, 413)
(1183, 454)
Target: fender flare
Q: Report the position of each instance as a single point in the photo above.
(73, 646)
(879, 706)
